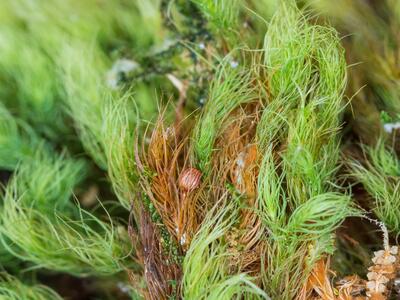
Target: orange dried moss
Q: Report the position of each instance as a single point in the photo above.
(165, 160)
(319, 285)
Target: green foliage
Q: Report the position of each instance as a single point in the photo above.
(380, 177)
(46, 182)
(264, 9)
(223, 14)
(205, 267)
(306, 101)
(120, 127)
(13, 289)
(17, 140)
(297, 240)
(60, 243)
(307, 78)
(272, 197)
(38, 39)
(375, 44)
(27, 71)
(47, 237)
(87, 21)
(86, 95)
(72, 120)
(230, 88)
(107, 121)
(288, 45)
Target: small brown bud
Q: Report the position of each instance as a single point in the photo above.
(189, 179)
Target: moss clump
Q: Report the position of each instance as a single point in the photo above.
(199, 149)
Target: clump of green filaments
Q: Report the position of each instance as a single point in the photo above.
(158, 149)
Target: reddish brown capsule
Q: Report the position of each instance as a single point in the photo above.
(189, 179)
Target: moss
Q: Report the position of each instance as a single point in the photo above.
(253, 94)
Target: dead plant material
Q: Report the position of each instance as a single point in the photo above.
(351, 287)
(380, 285)
(238, 165)
(160, 271)
(319, 285)
(182, 87)
(165, 180)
